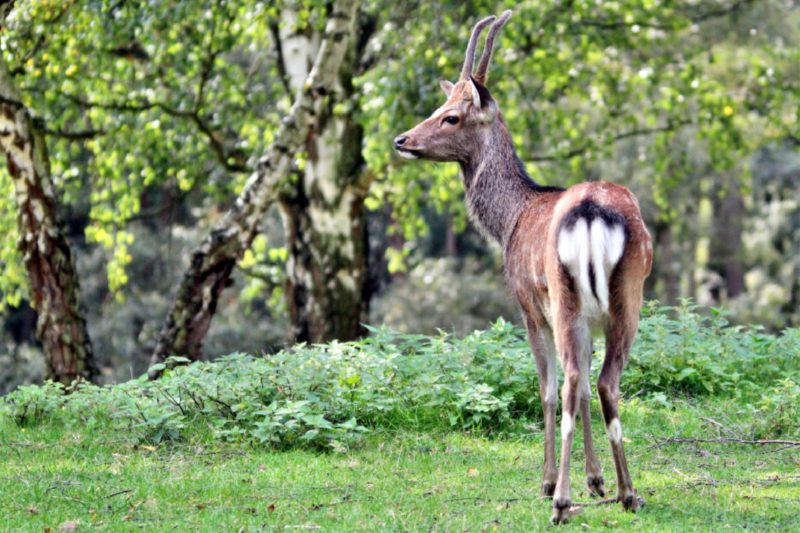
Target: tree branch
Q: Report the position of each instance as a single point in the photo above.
(32, 52)
(205, 74)
(274, 29)
(672, 126)
(153, 213)
(533, 44)
(39, 122)
(16, 104)
(721, 12)
(615, 25)
(216, 145)
(191, 114)
(74, 135)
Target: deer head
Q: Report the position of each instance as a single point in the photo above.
(458, 129)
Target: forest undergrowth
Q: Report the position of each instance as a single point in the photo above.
(410, 433)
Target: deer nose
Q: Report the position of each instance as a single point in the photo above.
(400, 141)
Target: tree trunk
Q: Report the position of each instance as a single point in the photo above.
(691, 260)
(209, 273)
(326, 290)
(664, 269)
(327, 287)
(450, 238)
(725, 250)
(60, 327)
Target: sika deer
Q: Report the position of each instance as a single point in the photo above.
(575, 260)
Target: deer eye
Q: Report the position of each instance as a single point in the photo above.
(451, 120)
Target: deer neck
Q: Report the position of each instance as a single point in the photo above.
(497, 186)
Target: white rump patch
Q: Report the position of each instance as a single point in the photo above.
(598, 246)
(608, 243)
(614, 430)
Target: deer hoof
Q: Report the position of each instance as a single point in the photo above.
(548, 489)
(561, 511)
(632, 503)
(596, 486)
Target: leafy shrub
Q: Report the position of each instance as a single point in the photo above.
(679, 350)
(31, 405)
(324, 395)
(331, 395)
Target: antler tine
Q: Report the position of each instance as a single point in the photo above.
(483, 66)
(466, 72)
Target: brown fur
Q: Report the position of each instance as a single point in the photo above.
(527, 220)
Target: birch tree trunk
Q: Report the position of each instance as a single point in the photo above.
(327, 287)
(54, 289)
(211, 266)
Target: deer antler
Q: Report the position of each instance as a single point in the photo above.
(466, 72)
(480, 75)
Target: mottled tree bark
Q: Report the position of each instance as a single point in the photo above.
(54, 289)
(327, 286)
(209, 273)
(327, 291)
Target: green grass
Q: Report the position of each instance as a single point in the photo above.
(52, 477)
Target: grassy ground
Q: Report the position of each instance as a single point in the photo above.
(63, 479)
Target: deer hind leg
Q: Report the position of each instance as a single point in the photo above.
(544, 353)
(572, 339)
(620, 333)
(594, 473)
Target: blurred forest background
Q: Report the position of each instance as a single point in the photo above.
(150, 118)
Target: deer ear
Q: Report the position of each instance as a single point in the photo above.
(476, 96)
(446, 86)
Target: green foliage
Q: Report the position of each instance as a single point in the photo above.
(174, 96)
(32, 405)
(679, 351)
(267, 268)
(700, 355)
(331, 395)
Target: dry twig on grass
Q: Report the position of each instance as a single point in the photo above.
(676, 440)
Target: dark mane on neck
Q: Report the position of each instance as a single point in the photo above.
(530, 182)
